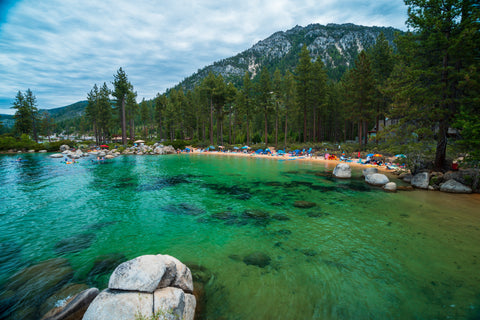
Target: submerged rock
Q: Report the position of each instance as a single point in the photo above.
(453, 186)
(74, 308)
(369, 170)
(342, 170)
(26, 290)
(258, 259)
(390, 186)
(75, 243)
(304, 204)
(60, 297)
(377, 179)
(102, 266)
(280, 217)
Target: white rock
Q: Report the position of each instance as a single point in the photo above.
(56, 155)
(172, 303)
(140, 274)
(454, 186)
(377, 179)
(183, 278)
(342, 170)
(369, 170)
(43, 151)
(421, 180)
(119, 305)
(390, 186)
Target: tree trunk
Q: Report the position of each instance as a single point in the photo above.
(305, 124)
(314, 125)
(441, 147)
(124, 123)
(276, 130)
(360, 134)
(211, 121)
(248, 131)
(266, 131)
(285, 141)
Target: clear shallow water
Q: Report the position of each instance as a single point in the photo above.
(360, 253)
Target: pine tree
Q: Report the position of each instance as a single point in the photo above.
(265, 98)
(303, 77)
(121, 88)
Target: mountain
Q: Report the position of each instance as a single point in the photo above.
(336, 44)
(71, 111)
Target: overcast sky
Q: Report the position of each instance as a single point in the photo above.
(61, 48)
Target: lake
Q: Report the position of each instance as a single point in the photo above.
(265, 239)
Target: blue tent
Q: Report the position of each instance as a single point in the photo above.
(259, 151)
(281, 152)
(212, 147)
(187, 149)
(245, 147)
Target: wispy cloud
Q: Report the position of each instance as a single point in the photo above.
(60, 48)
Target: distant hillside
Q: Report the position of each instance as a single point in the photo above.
(7, 120)
(71, 111)
(74, 110)
(337, 45)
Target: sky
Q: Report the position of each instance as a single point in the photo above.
(60, 48)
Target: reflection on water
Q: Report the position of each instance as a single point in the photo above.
(264, 239)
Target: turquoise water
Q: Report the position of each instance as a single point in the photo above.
(359, 253)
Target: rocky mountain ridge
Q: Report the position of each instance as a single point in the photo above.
(336, 44)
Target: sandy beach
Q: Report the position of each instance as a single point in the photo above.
(330, 164)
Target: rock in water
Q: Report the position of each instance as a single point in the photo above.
(75, 307)
(140, 274)
(421, 180)
(342, 170)
(173, 303)
(304, 204)
(258, 259)
(454, 187)
(369, 170)
(377, 179)
(390, 186)
(120, 305)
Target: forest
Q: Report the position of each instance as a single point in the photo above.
(420, 96)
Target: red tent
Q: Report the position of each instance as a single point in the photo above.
(103, 146)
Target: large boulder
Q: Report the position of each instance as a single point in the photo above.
(74, 308)
(139, 285)
(56, 155)
(140, 274)
(342, 170)
(173, 303)
(64, 147)
(454, 186)
(377, 179)
(421, 180)
(390, 187)
(179, 273)
(120, 305)
(369, 170)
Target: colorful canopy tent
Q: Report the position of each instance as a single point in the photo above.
(401, 155)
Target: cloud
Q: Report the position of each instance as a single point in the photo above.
(60, 48)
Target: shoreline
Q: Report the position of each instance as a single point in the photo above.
(328, 163)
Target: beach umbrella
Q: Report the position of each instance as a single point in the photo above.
(139, 141)
(221, 147)
(103, 146)
(401, 155)
(245, 147)
(377, 155)
(236, 148)
(212, 147)
(370, 155)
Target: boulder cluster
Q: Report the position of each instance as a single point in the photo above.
(463, 181)
(157, 148)
(147, 287)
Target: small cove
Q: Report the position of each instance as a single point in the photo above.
(359, 253)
